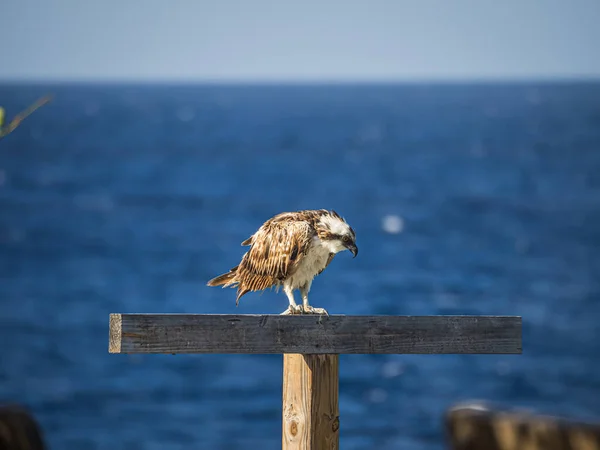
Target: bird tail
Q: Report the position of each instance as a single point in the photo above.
(225, 280)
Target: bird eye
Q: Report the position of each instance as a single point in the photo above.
(346, 238)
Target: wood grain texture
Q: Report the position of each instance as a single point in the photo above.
(311, 417)
(114, 333)
(313, 334)
(477, 427)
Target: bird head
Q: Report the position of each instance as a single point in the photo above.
(336, 234)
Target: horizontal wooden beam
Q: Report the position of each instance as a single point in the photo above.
(313, 334)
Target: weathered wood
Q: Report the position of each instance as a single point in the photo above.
(310, 402)
(114, 333)
(313, 334)
(473, 427)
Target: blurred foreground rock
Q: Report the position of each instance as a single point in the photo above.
(19, 430)
(478, 427)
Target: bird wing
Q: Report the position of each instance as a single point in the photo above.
(275, 252)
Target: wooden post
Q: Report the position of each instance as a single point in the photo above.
(479, 427)
(310, 345)
(19, 430)
(310, 402)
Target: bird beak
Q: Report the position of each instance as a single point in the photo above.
(353, 249)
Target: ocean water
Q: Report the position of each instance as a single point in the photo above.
(466, 199)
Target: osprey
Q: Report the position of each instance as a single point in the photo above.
(289, 250)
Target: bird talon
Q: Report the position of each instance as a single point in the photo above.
(292, 310)
(312, 310)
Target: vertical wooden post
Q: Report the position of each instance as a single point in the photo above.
(310, 402)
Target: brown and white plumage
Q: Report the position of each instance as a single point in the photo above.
(289, 250)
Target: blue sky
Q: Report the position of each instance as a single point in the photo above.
(259, 40)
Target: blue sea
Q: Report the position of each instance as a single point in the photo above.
(465, 198)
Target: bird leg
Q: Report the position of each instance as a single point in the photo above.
(293, 308)
(307, 308)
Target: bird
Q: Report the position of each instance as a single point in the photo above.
(289, 250)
